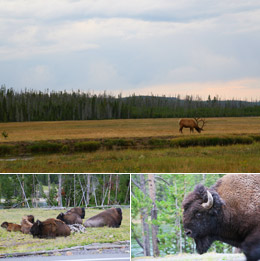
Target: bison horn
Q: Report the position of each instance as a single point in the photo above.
(209, 204)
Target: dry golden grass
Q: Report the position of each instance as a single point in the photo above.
(31, 131)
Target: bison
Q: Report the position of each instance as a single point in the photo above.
(27, 223)
(77, 210)
(11, 226)
(191, 124)
(228, 211)
(70, 218)
(111, 217)
(50, 228)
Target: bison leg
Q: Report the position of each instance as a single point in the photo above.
(251, 247)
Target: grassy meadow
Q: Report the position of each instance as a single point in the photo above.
(212, 159)
(11, 242)
(165, 149)
(62, 130)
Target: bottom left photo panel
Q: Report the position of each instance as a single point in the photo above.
(65, 216)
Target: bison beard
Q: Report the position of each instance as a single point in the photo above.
(203, 244)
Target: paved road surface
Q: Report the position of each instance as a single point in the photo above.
(105, 255)
(195, 257)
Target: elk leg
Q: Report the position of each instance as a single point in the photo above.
(180, 130)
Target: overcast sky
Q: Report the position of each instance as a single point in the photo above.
(166, 47)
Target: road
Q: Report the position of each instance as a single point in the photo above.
(195, 257)
(112, 256)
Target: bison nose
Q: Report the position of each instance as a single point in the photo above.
(188, 232)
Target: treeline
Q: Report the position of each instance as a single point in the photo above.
(156, 209)
(29, 105)
(70, 190)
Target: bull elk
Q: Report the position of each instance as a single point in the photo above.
(192, 124)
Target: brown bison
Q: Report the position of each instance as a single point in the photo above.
(50, 228)
(191, 124)
(77, 210)
(70, 218)
(27, 223)
(229, 211)
(11, 226)
(111, 217)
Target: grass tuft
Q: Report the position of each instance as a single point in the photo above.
(87, 146)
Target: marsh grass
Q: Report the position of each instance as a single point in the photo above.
(11, 242)
(241, 158)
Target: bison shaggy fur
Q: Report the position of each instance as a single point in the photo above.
(50, 228)
(229, 211)
(79, 211)
(11, 226)
(70, 218)
(27, 223)
(111, 217)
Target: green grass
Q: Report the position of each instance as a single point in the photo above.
(11, 242)
(211, 159)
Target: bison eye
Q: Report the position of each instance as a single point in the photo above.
(198, 215)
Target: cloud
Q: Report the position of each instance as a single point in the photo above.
(237, 89)
(127, 45)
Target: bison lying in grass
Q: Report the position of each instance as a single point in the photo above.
(229, 211)
(11, 226)
(27, 223)
(79, 211)
(70, 218)
(50, 228)
(110, 217)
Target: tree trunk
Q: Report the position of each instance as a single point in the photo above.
(127, 192)
(59, 191)
(117, 183)
(109, 191)
(152, 193)
(88, 187)
(74, 180)
(49, 186)
(144, 218)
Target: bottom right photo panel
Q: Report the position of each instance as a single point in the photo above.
(195, 217)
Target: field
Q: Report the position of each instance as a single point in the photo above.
(11, 242)
(59, 130)
(157, 159)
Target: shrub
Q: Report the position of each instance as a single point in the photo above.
(45, 147)
(87, 146)
(158, 142)
(118, 142)
(210, 141)
(6, 149)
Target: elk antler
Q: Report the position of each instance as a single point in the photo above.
(198, 120)
(203, 122)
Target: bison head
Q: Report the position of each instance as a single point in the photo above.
(36, 229)
(4, 224)
(61, 217)
(83, 213)
(202, 216)
(30, 218)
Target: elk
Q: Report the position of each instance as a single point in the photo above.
(192, 124)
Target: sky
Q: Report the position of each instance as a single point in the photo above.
(142, 47)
